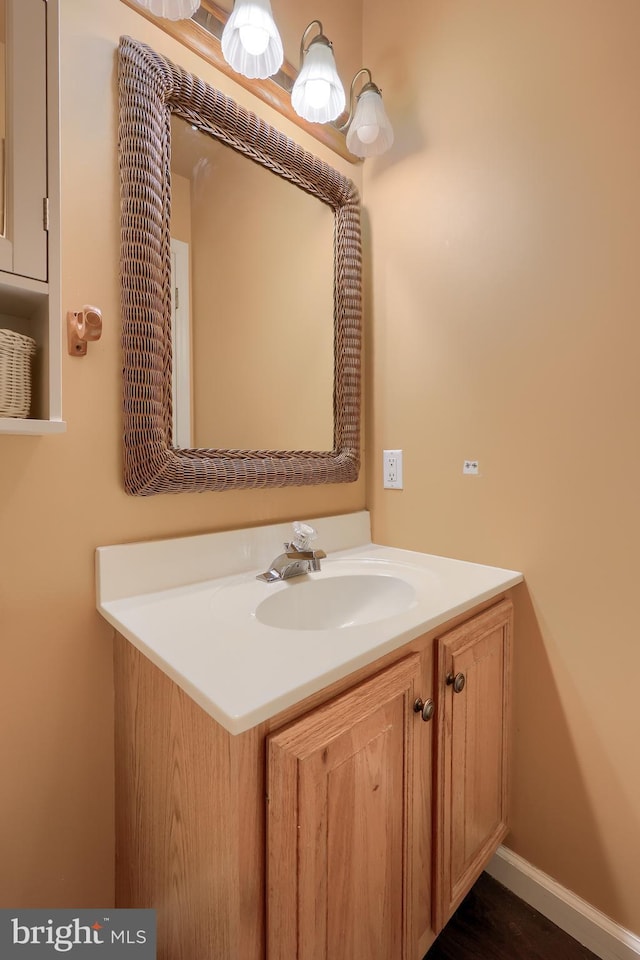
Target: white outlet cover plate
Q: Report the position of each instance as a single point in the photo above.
(392, 469)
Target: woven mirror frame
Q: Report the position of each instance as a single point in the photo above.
(151, 88)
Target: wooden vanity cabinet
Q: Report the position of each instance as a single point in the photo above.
(345, 827)
(354, 799)
(348, 824)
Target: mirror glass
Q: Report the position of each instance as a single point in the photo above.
(252, 320)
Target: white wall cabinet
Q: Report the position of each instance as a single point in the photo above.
(30, 209)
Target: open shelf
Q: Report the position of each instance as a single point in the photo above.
(26, 307)
(30, 427)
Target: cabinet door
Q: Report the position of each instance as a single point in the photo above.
(472, 752)
(343, 813)
(23, 139)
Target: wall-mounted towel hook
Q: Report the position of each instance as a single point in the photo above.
(82, 326)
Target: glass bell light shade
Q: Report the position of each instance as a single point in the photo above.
(318, 94)
(370, 132)
(250, 40)
(170, 9)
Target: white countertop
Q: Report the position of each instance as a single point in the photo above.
(171, 600)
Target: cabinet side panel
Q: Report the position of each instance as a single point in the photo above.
(178, 817)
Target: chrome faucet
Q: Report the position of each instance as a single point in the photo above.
(297, 558)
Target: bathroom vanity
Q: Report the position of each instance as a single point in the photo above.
(292, 785)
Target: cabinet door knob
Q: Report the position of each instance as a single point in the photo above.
(425, 707)
(458, 682)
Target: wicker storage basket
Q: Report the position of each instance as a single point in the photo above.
(16, 352)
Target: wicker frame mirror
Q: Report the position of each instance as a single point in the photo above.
(151, 88)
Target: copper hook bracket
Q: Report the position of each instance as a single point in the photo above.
(82, 327)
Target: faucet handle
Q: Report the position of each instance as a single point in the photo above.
(303, 535)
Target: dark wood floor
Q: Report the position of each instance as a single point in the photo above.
(493, 924)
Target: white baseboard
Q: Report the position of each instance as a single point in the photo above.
(575, 916)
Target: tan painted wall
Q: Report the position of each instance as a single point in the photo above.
(60, 497)
(505, 231)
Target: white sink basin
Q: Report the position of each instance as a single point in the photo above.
(343, 594)
(335, 602)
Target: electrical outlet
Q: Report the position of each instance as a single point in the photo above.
(392, 469)
(471, 467)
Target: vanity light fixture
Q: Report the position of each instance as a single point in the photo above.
(250, 43)
(250, 40)
(170, 9)
(318, 94)
(369, 130)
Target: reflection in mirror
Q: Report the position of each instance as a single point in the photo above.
(151, 90)
(253, 302)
